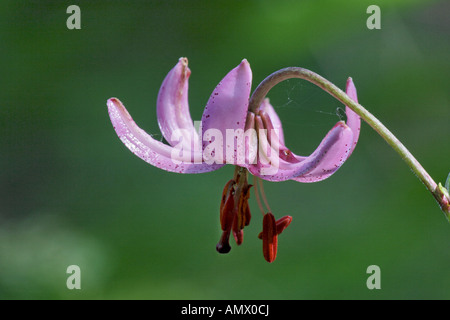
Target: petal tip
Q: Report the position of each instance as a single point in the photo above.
(116, 108)
(112, 102)
(183, 69)
(341, 124)
(244, 63)
(183, 60)
(350, 89)
(350, 83)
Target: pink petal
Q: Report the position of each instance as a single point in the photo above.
(335, 151)
(172, 106)
(323, 162)
(353, 120)
(251, 140)
(276, 122)
(337, 155)
(227, 110)
(150, 150)
(275, 130)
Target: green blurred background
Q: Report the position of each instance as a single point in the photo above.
(71, 193)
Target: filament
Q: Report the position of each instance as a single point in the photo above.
(263, 194)
(259, 192)
(258, 199)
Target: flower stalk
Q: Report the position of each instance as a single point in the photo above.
(440, 193)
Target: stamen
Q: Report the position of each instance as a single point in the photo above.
(263, 194)
(227, 216)
(238, 236)
(258, 199)
(269, 235)
(243, 211)
(234, 210)
(281, 223)
(269, 238)
(259, 188)
(227, 210)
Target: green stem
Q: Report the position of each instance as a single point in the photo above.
(438, 191)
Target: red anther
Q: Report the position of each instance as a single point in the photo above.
(243, 211)
(239, 236)
(225, 192)
(269, 237)
(234, 210)
(246, 207)
(228, 214)
(283, 223)
(238, 232)
(227, 207)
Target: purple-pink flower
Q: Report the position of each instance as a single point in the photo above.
(231, 134)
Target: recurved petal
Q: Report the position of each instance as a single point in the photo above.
(172, 107)
(174, 159)
(330, 155)
(227, 110)
(277, 163)
(353, 120)
(323, 162)
(339, 152)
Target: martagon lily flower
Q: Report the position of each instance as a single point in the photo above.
(230, 133)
